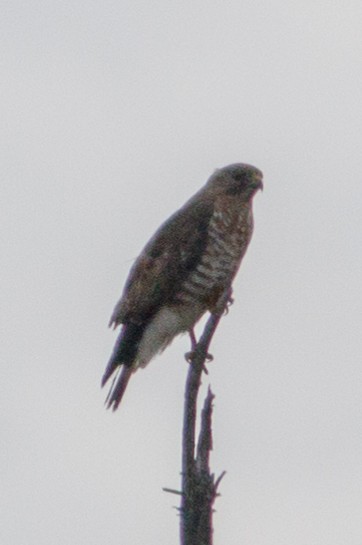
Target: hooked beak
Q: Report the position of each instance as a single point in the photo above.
(258, 183)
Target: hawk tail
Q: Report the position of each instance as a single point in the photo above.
(124, 354)
(118, 388)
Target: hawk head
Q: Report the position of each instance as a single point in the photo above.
(237, 179)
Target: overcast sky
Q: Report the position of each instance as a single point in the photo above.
(113, 114)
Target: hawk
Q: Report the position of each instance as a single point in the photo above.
(182, 271)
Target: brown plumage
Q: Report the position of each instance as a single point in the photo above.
(183, 271)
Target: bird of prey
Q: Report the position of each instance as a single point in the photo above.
(183, 271)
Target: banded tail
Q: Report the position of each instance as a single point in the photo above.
(124, 355)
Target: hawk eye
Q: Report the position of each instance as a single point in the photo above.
(238, 177)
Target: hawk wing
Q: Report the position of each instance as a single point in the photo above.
(174, 250)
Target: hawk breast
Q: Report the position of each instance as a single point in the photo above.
(229, 233)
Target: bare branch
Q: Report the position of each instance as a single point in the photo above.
(198, 488)
(172, 491)
(204, 445)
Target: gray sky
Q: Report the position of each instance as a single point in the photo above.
(114, 113)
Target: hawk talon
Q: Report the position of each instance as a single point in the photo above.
(189, 357)
(229, 302)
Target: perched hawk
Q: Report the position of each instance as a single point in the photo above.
(183, 271)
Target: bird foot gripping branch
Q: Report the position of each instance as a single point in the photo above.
(195, 352)
(192, 355)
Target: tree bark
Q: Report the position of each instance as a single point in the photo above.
(199, 488)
